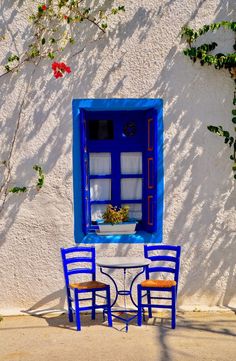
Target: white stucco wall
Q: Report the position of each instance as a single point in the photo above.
(140, 57)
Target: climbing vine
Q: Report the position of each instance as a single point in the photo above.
(204, 55)
(56, 25)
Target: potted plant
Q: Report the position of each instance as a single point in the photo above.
(116, 221)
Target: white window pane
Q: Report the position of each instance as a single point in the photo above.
(131, 163)
(97, 211)
(131, 188)
(100, 189)
(100, 163)
(135, 210)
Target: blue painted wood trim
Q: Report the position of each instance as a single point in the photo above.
(141, 237)
(160, 172)
(115, 104)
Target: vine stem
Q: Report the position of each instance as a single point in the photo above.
(7, 178)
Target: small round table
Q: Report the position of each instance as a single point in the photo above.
(123, 263)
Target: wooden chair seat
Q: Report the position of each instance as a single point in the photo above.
(88, 285)
(158, 283)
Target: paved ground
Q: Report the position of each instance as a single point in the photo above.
(199, 336)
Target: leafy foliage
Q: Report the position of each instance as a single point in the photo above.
(41, 176)
(219, 61)
(39, 184)
(17, 190)
(55, 26)
(116, 215)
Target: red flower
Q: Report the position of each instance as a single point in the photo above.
(44, 7)
(65, 17)
(59, 69)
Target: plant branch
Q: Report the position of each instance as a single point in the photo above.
(7, 178)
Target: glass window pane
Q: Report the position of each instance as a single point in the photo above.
(100, 189)
(97, 211)
(131, 162)
(101, 129)
(135, 210)
(131, 188)
(100, 163)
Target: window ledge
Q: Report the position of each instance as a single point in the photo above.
(139, 237)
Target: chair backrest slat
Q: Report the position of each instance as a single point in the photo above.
(71, 258)
(161, 269)
(163, 258)
(72, 250)
(161, 247)
(78, 259)
(161, 262)
(79, 270)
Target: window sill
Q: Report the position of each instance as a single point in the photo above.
(139, 237)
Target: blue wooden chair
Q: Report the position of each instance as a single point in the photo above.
(164, 286)
(77, 261)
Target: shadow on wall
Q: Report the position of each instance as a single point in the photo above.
(199, 190)
(57, 299)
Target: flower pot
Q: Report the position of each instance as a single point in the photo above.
(118, 228)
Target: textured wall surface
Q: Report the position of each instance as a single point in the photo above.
(140, 57)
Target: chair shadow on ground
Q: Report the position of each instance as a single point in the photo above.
(213, 326)
(60, 320)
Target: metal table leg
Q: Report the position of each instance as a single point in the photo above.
(125, 292)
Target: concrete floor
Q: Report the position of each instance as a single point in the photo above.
(199, 336)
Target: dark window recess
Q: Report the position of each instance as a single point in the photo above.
(129, 129)
(100, 129)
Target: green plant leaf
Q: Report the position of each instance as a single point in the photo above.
(17, 190)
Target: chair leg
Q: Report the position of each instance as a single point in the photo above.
(149, 302)
(109, 317)
(70, 311)
(139, 305)
(173, 308)
(93, 305)
(77, 311)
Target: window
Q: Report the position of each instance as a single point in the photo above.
(119, 152)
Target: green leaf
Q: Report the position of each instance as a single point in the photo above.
(104, 25)
(231, 140)
(114, 11)
(51, 55)
(41, 177)
(18, 190)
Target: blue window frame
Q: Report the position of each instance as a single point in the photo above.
(118, 160)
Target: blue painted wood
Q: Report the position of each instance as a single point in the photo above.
(67, 259)
(175, 258)
(162, 258)
(139, 237)
(120, 105)
(85, 194)
(150, 172)
(123, 201)
(78, 259)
